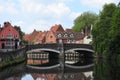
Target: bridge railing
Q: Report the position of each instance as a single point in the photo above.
(37, 46)
(57, 46)
(70, 46)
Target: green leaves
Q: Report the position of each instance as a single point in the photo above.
(85, 19)
(106, 32)
(20, 32)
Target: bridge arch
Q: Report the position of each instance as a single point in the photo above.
(79, 67)
(44, 49)
(82, 49)
(48, 67)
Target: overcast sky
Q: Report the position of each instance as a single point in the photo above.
(42, 14)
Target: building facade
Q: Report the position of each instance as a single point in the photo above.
(9, 37)
(56, 34)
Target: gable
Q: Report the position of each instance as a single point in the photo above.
(57, 28)
(9, 30)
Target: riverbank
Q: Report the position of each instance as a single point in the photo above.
(12, 62)
(12, 57)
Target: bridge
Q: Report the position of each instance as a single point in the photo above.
(62, 52)
(59, 47)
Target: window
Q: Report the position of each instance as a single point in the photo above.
(8, 43)
(51, 41)
(71, 36)
(51, 36)
(68, 41)
(16, 36)
(65, 35)
(59, 35)
(9, 36)
(2, 35)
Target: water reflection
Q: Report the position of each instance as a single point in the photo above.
(22, 72)
(13, 72)
(66, 76)
(72, 58)
(48, 66)
(107, 70)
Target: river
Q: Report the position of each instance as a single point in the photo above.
(73, 68)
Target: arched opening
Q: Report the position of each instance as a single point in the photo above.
(42, 57)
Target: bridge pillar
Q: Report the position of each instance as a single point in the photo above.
(61, 56)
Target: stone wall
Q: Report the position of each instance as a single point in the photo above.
(11, 57)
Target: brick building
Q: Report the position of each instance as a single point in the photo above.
(56, 34)
(9, 37)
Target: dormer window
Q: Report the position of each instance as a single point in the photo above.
(71, 36)
(59, 35)
(66, 35)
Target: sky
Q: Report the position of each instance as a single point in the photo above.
(42, 14)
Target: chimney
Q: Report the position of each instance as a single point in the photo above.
(6, 24)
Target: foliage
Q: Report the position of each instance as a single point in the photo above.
(106, 70)
(106, 32)
(115, 31)
(11, 62)
(85, 19)
(20, 31)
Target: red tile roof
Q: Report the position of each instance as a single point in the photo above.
(40, 37)
(68, 30)
(26, 36)
(57, 28)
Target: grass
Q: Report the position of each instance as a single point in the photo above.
(12, 62)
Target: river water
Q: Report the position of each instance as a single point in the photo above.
(72, 69)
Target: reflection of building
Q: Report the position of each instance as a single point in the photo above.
(59, 76)
(72, 57)
(37, 58)
(76, 76)
(44, 76)
(9, 37)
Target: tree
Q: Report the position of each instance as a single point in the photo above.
(101, 35)
(84, 20)
(115, 31)
(20, 31)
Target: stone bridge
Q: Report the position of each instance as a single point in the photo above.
(60, 47)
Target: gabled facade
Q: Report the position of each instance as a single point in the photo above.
(40, 38)
(50, 37)
(69, 37)
(57, 28)
(9, 37)
(56, 34)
